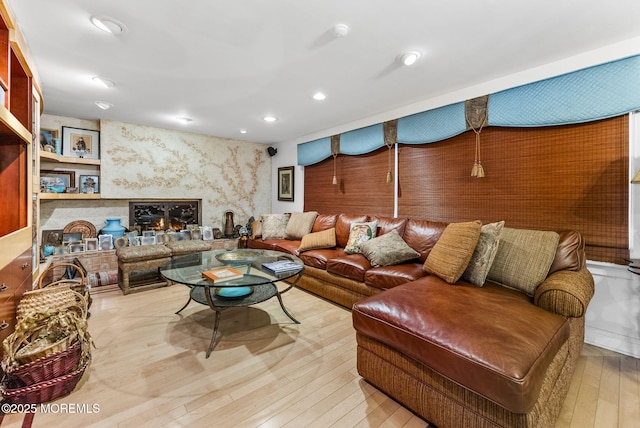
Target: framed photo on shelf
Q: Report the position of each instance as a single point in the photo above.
(105, 242)
(91, 244)
(59, 179)
(52, 237)
(285, 183)
(76, 248)
(80, 143)
(47, 138)
(89, 184)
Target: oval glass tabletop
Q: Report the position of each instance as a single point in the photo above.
(257, 267)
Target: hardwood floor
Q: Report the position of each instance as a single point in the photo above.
(149, 370)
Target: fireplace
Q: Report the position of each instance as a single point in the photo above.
(164, 215)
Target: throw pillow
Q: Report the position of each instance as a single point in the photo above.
(482, 258)
(388, 249)
(300, 224)
(318, 240)
(256, 229)
(358, 233)
(451, 254)
(523, 258)
(274, 226)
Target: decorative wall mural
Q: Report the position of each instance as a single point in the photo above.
(143, 162)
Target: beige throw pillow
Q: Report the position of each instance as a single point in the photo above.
(482, 258)
(300, 224)
(388, 249)
(318, 240)
(274, 226)
(523, 258)
(451, 254)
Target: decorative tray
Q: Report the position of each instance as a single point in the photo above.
(237, 257)
(87, 229)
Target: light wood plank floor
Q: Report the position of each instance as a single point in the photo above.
(149, 370)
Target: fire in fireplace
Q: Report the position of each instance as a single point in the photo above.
(164, 215)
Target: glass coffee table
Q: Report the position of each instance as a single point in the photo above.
(256, 285)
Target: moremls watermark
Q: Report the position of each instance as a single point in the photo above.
(53, 408)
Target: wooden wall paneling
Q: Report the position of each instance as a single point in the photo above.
(361, 188)
(553, 178)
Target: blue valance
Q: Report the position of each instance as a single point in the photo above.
(593, 93)
(314, 151)
(432, 125)
(361, 141)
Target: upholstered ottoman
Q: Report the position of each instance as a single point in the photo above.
(139, 266)
(180, 248)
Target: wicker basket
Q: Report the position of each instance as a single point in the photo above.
(46, 368)
(79, 285)
(45, 391)
(52, 298)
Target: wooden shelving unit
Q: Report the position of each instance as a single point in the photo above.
(67, 196)
(53, 157)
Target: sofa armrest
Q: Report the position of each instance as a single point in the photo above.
(566, 292)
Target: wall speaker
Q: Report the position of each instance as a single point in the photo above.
(272, 151)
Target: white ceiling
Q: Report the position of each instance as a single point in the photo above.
(227, 63)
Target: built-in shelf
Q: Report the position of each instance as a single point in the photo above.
(52, 157)
(63, 196)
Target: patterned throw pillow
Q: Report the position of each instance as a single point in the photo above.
(482, 258)
(388, 249)
(318, 240)
(274, 226)
(523, 258)
(358, 233)
(300, 224)
(451, 254)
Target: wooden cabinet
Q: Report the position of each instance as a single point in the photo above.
(17, 86)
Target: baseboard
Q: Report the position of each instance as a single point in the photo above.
(612, 341)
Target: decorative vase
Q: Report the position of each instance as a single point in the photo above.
(228, 224)
(113, 227)
(48, 250)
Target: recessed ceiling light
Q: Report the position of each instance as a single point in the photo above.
(410, 58)
(108, 24)
(243, 131)
(269, 118)
(104, 105)
(319, 96)
(184, 120)
(104, 82)
(341, 30)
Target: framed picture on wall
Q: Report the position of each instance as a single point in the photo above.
(285, 183)
(80, 143)
(47, 139)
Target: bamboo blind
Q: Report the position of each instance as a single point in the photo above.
(554, 178)
(361, 188)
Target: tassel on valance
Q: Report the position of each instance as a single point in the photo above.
(335, 150)
(390, 130)
(476, 116)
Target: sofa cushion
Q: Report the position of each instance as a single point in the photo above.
(484, 253)
(285, 245)
(391, 276)
(352, 266)
(422, 235)
(300, 224)
(318, 258)
(387, 224)
(343, 227)
(259, 244)
(274, 226)
(492, 340)
(388, 249)
(523, 259)
(359, 233)
(450, 256)
(324, 222)
(570, 252)
(317, 240)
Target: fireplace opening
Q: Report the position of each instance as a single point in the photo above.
(164, 215)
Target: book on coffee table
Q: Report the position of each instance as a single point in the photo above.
(281, 266)
(222, 274)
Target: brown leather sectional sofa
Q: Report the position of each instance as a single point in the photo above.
(457, 355)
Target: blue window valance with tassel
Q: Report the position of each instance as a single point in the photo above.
(593, 93)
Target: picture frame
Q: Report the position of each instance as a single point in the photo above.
(72, 238)
(80, 143)
(76, 248)
(207, 233)
(91, 244)
(285, 183)
(55, 179)
(60, 249)
(47, 138)
(89, 184)
(105, 242)
(52, 237)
